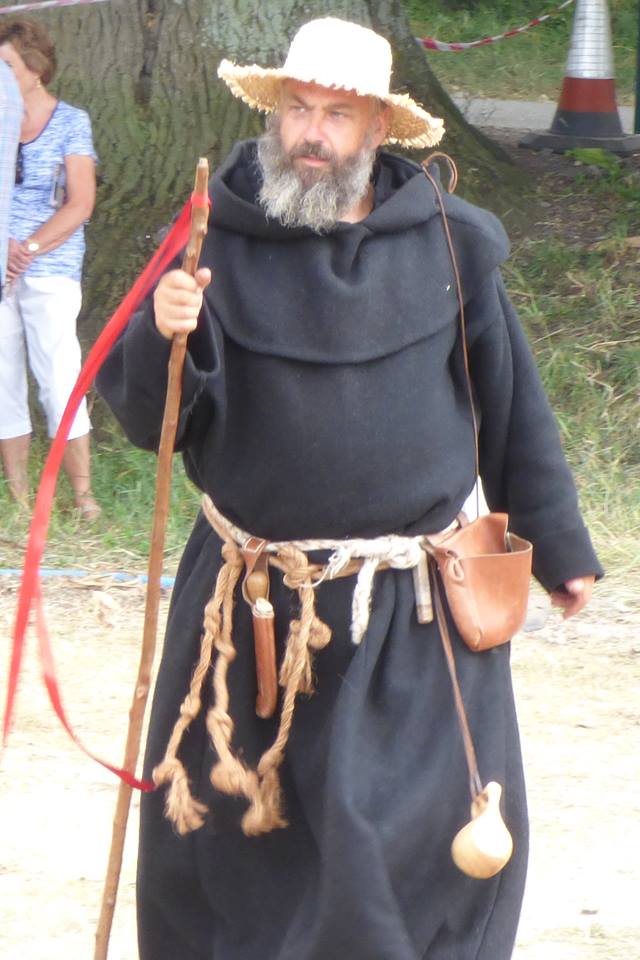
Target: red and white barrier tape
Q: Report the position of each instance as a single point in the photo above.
(430, 43)
(44, 4)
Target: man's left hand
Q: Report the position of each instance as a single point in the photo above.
(577, 595)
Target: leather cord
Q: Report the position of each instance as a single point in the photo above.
(456, 273)
(475, 783)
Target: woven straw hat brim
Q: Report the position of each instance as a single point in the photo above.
(259, 88)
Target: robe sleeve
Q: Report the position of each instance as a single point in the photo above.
(133, 378)
(522, 464)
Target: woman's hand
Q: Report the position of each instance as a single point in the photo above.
(177, 301)
(19, 259)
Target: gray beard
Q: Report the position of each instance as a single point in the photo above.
(317, 200)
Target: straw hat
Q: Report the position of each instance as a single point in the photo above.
(343, 55)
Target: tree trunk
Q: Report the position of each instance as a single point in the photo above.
(146, 72)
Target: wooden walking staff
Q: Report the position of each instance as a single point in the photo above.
(199, 217)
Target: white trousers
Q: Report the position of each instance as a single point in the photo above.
(38, 317)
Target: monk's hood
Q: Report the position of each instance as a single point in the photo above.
(362, 290)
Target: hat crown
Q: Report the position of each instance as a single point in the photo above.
(336, 53)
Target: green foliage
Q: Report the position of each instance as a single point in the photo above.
(124, 485)
(528, 66)
(596, 157)
(579, 304)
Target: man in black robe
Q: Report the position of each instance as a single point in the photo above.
(325, 397)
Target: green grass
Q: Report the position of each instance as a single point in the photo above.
(124, 484)
(580, 305)
(529, 66)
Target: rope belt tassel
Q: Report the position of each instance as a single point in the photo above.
(230, 775)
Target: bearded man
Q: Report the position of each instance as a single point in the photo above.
(324, 408)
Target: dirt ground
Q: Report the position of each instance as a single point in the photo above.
(572, 217)
(577, 686)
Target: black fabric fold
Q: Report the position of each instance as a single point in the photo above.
(350, 295)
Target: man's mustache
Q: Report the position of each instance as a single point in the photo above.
(312, 148)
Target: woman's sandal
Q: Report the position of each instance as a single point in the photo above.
(88, 508)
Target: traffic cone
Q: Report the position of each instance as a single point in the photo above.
(587, 114)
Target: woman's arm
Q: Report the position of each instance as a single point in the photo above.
(78, 207)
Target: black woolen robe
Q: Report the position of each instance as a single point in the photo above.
(324, 396)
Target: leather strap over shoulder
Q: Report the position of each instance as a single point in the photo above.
(456, 272)
(453, 170)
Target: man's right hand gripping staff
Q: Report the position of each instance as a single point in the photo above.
(177, 301)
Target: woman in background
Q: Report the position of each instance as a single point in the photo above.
(54, 195)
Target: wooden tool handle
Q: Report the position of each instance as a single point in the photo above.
(199, 219)
(265, 646)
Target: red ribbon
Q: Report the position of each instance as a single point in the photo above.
(30, 593)
(199, 201)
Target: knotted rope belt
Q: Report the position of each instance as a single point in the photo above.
(242, 552)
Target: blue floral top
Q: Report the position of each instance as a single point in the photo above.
(68, 133)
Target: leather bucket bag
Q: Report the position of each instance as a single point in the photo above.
(485, 570)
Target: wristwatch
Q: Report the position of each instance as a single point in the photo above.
(33, 246)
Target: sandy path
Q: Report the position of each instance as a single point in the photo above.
(578, 692)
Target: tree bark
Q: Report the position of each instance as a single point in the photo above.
(146, 72)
